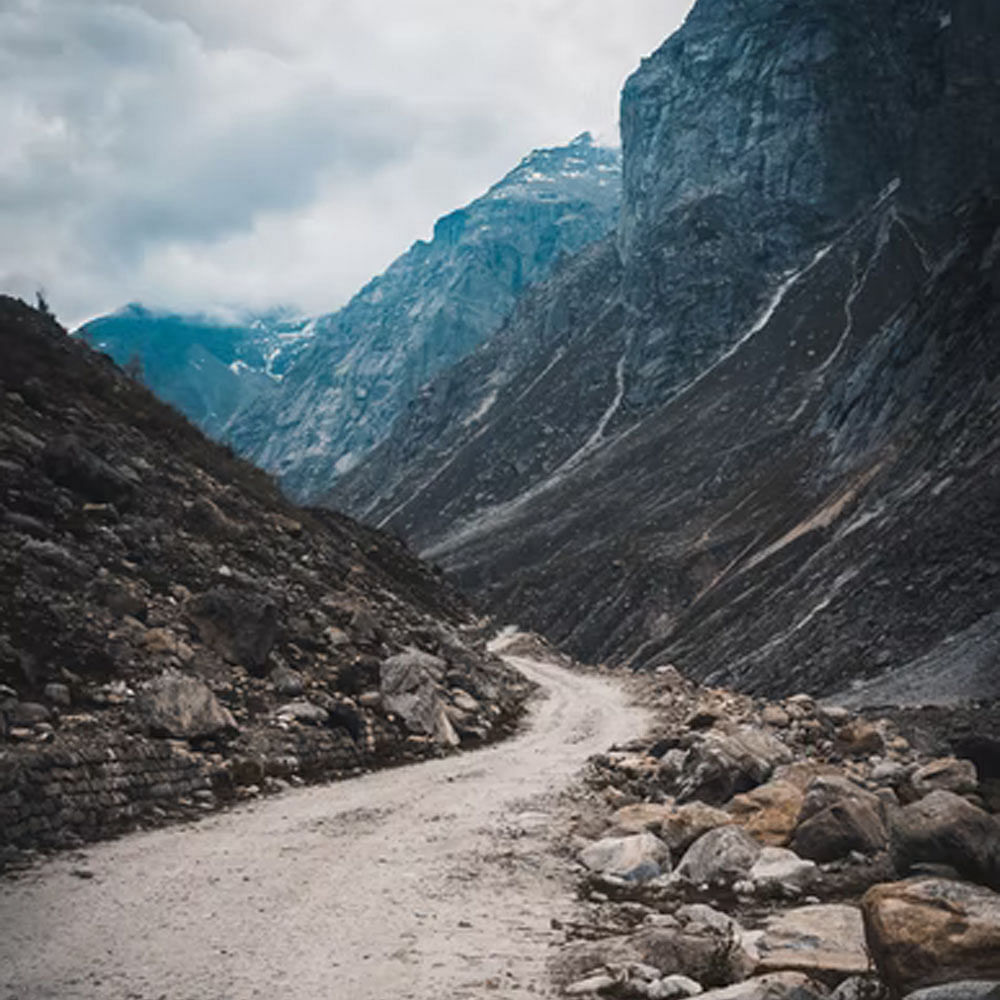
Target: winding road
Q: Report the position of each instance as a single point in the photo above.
(429, 882)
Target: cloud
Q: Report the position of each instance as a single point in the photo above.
(246, 152)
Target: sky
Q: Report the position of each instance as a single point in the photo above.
(194, 154)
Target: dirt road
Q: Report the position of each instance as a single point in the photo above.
(429, 882)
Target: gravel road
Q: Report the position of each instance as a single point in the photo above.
(430, 881)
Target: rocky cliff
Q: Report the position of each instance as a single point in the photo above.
(175, 634)
(432, 306)
(732, 436)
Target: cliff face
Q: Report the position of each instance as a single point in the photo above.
(804, 273)
(433, 306)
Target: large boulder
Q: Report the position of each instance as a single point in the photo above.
(778, 871)
(773, 986)
(641, 816)
(964, 989)
(723, 764)
(769, 812)
(927, 931)
(240, 625)
(683, 825)
(410, 685)
(825, 941)
(68, 462)
(719, 857)
(944, 828)
(183, 707)
(949, 774)
(636, 857)
(839, 817)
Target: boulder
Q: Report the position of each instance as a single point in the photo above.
(68, 462)
(183, 707)
(860, 738)
(769, 812)
(628, 857)
(839, 817)
(773, 986)
(780, 871)
(599, 983)
(723, 764)
(948, 774)
(240, 625)
(641, 816)
(683, 825)
(825, 941)
(943, 828)
(409, 683)
(304, 711)
(964, 989)
(673, 988)
(719, 857)
(287, 682)
(58, 694)
(923, 932)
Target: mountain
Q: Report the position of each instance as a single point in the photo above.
(753, 431)
(175, 634)
(431, 307)
(208, 367)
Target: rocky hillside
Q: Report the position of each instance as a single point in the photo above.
(753, 434)
(207, 367)
(173, 633)
(755, 849)
(431, 307)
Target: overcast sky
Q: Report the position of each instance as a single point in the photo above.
(193, 153)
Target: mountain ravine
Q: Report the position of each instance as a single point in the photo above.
(753, 432)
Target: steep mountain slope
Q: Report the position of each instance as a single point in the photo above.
(431, 307)
(208, 368)
(173, 632)
(720, 442)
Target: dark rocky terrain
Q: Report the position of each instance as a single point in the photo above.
(754, 433)
(175, 634)
(766, 849)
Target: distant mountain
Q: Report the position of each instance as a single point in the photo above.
(209, 368)
(754, 431)
(433, 306)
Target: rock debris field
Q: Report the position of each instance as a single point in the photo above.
(427, 881)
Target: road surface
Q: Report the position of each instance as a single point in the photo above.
(429, 882)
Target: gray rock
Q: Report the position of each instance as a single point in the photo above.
(721, 765)
(240, 624)
(304, 711)
(719, 857)
(824, 941)
(839, 817)
(673, 988)
(773, 986)
(29, 713)
(943, 828)
(58, 694)
(778, 870)
(183, 707)
(409, 683)
(287, 682)
(636, 858)
(964, 989)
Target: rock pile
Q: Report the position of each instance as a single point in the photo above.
(780, 849)
(156, 590)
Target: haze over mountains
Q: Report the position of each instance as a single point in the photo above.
(354, 370)
(750, 430)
